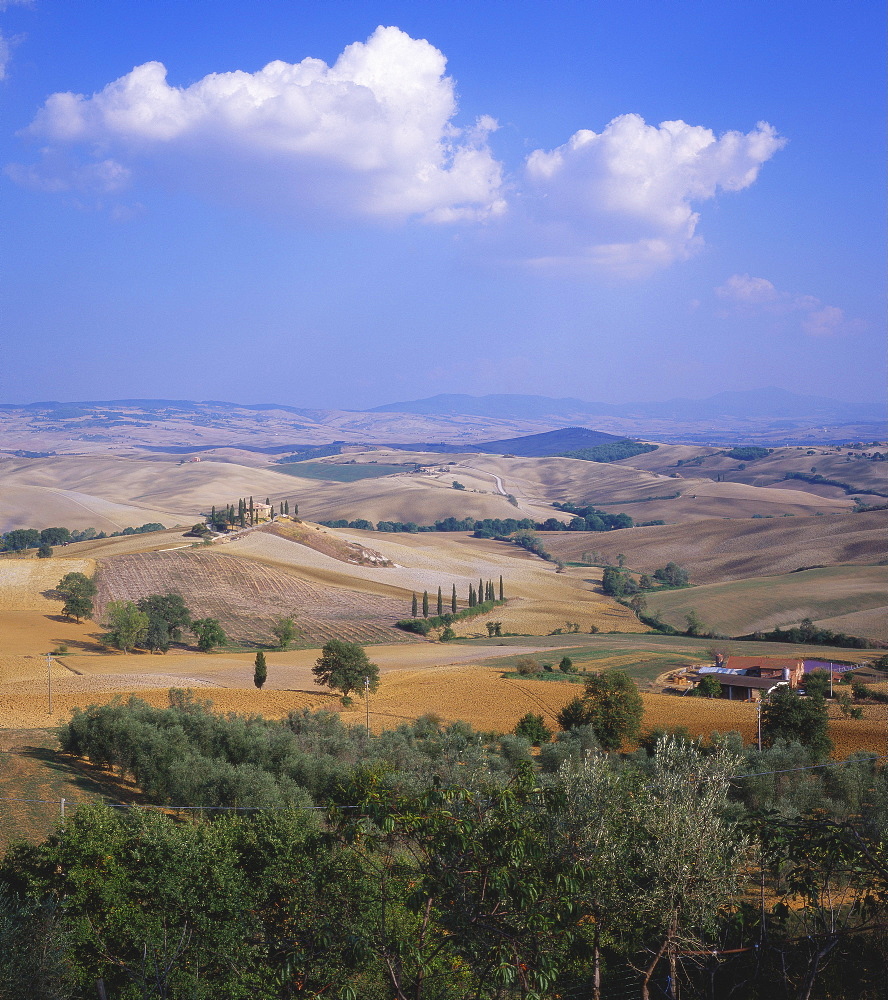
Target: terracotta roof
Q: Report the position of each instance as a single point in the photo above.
(766, 662)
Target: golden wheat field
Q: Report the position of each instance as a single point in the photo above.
(25, 582)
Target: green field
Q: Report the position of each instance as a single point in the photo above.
(644, 656)
(339, 473)
(762, 603)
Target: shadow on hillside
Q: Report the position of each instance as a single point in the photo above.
(86, 777)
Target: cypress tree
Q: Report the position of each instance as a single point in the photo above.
(453, 600)
(425, 604)
(414, 607)
(440, 603)
(295, 510)
(480, 591)
(252, 518)
(213, 515)
(260, 672)
(501, 588)
(471, 596)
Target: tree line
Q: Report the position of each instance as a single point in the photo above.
(495, 527)
(43, 540)
(450, 864)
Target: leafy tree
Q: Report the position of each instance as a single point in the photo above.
(615, 708)
(817, 682)
(574, 714)
(638, 604)
(613, 582)
(692, 852)
(44, 551)
(672, 575)
(127, 626)
(33, 940)
(566, 665)
(533, 728)
(76, 584)
(209, 634)
(284, 630)
(708, 687)
(20, 539)
(78, 607)
(157, 638)
(260, 671)
(55, 536)
(786, 715)
(695, 625)
(448, 634)
(343, 666)
(169, 608)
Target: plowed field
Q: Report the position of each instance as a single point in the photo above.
(247, 596)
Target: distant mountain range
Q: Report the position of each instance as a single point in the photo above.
(770, 403)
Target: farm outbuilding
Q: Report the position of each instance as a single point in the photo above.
(746, 678)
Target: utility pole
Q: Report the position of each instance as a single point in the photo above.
(49, 679)
(367, 701)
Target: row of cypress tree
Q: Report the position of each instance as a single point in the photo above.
(486, 591)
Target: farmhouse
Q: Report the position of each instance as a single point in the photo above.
(262, 511)
(746, 678)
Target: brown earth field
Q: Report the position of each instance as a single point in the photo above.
(762, 603)
(247, 596)
(719, 550)
(430, 560)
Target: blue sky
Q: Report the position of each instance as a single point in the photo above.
(610, 200)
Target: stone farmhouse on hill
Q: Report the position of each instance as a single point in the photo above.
(262, 511)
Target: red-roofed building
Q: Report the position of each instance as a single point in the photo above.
(747, 678)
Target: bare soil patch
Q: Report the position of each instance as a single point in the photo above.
(246, 596)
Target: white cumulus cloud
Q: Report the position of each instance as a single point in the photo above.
(751, 295)
(373, 137)
(627, 196)
(369, 136)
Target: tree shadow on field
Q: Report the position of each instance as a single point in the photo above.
(87, 778)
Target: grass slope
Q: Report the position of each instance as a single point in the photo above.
(717, 550)
(337, 471)
(745, 606)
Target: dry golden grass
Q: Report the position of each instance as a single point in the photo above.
(24, 582)
(718, 550)
(325, 541)
(526, 617)
(760, 604)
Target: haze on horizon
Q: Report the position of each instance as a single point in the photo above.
(341, 206)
